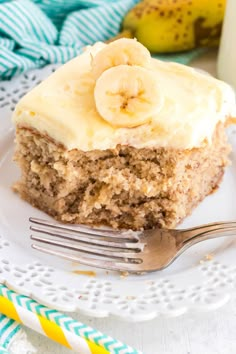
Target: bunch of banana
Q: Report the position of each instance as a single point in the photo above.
(176, 25)
(126, 93)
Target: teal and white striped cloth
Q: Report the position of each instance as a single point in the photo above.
(38, 32)
(9, 329)
(33, 34)
(12, 336)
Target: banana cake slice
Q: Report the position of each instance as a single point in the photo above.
(115, 137)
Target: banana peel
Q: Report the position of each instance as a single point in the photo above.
(165, 26)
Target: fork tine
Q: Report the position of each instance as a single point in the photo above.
(128, 234)
(81, 238)
(92, 262)
(96, 251)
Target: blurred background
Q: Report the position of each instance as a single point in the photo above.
(34, 33)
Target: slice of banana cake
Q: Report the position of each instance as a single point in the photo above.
(118, 138)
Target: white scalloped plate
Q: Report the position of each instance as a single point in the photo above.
(191, 283)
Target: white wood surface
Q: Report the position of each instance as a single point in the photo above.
(202, 333)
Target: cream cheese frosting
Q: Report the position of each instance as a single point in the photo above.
(63, 107)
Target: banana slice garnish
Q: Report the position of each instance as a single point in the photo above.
(127, 96)
(124, 51)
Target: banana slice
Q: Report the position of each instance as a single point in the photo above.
(123, 51)
(127, 96)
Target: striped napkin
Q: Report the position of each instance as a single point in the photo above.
(38, 32)
(13, 338)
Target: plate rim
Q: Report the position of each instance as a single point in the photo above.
(173, 300)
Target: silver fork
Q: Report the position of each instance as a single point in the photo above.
(125, 251)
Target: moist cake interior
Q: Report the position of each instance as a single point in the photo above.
(124, 187)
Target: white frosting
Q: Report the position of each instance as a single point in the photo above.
(63, 106)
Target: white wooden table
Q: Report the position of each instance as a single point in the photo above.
(202, 333)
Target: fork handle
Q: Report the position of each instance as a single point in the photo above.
(208, 232)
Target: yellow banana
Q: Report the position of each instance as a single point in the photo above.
(123, 34)
(176, 25)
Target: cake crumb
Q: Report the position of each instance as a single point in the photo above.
(209, 257)
(130, 297)
(89, 273)
(124, 275)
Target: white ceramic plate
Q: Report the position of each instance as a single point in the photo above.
(191, 283)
